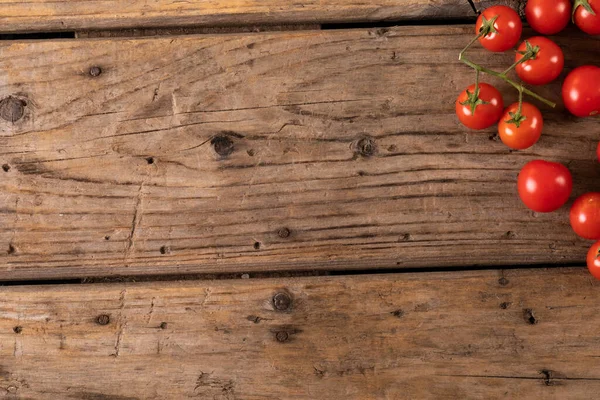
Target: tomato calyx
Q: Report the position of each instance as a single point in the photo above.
(487, 26)
(530, 52)
(516, 118)
(583, 3)
(473, 100)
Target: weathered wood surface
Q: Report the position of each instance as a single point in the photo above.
(517, 334)
(44, 15)
(338, 149)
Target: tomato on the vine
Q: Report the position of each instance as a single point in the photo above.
(593, 260)
(479, 108)
(548, 17)
(501, 28)
(585, 216)
(586, 15)
(544, 186)
(581, 91)
(521, 131)
(546, 64)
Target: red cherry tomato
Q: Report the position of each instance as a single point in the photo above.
(585, 216)
(545, 66)
(486, 114)
(522, 132)
(544, 186)
(584, 19)
(593, 260)
(581, 91)
(548, 17)
(505, 31)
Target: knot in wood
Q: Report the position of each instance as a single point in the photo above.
(12, 109)
(103, 319)
(282, 336)
(223, 145)
(282, 301)
(366, 147)
(95, 71)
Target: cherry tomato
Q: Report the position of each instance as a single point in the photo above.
(593, 260)
(505, 31)
(522, 131)
(587, 21)
(548, 17)
(545, 66)
(544, 186)
(585, 216)
(487, 111)
(581, 91)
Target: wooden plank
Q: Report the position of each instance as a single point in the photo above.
(469, 335)
(44, 15)
(272, 151)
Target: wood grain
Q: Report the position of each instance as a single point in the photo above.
(346, 139)
(45, 15)
(525, 334)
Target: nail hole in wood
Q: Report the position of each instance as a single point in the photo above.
(282, 301)
(223, 145)
(5, 167)
(397, 313)
(106, 237)
(282, 336)
(163, 325)
(165, 250)
(150, 160)
(256, 245)
(11, 249)
(504, 305)
(18, 329)
(103, 319)
(284, 233)
(529, 317)
(503, 281)
(366, 147)
(95, 71)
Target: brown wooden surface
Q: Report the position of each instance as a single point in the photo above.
(526, 334)
(45, 15)
(346, 139)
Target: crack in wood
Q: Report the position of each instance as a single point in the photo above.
(135, 222)
(121, 322)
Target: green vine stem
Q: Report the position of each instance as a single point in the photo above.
(502, 75)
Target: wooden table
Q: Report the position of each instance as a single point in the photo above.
(274, 200)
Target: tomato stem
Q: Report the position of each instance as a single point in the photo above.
(460, 55)
(530, 53)
(514, 84)
(520, 101)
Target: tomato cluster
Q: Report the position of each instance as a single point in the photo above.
(543, 186)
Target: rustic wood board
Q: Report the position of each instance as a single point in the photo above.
(456, 335)
(45, 15)
(346, 153)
